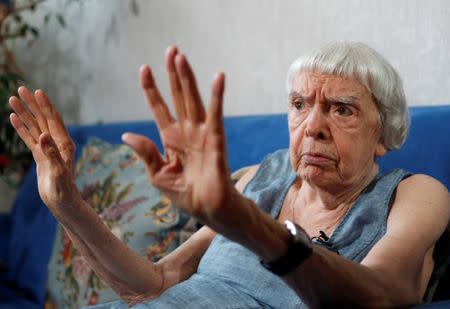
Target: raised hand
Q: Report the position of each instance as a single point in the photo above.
(41, 128)
(194, 172)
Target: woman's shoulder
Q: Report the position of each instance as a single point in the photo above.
(425, 197)
(425, 186)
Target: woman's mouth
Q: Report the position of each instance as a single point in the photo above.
(314, 158)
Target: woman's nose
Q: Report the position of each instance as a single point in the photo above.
(317, 126)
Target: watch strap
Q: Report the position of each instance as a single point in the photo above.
(297, 252)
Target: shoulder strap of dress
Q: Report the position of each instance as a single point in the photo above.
(271, 182)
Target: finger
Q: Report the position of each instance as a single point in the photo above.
(28, 97)
(175, 86)
(214, 119)
(50, 150)
(146, 150)
(192, 100)
(56, 127)
(154, 99)
(26, 117)
(53, 118)
(22, 130)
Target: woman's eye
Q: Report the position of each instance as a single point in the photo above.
(344, 111)
(298, 105)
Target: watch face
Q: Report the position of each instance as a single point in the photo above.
(297, 232)
(291, 226)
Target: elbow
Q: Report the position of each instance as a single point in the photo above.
(385, 296)
(408, 298)
(390, 299)
(145, 292)
(395, 291)
(132, 300)
(398, 297)
(405, 293)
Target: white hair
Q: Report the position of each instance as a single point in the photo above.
(357, 60)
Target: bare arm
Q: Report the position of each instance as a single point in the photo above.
(131, 276)
(180, 264)
(42, 129)
(194, 177)
(394, 273)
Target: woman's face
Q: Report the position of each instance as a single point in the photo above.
(334, 130)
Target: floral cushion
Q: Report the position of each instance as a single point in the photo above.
(114, 182)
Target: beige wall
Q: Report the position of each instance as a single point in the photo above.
(91, 67)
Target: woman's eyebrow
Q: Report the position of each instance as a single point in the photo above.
(297, 95)
(350, 99)
(343, 99)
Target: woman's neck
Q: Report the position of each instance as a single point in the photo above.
(338, 195)
(318, 209)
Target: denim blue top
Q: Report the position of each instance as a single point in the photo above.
(230, 276)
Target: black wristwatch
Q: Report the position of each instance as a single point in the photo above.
(300, 248)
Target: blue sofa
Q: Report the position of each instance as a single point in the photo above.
(26, 234)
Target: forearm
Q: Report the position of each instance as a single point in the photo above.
(131, 276)
(183, 261)
(249, 226)
(324, 278)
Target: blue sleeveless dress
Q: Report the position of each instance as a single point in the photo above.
(230, 276)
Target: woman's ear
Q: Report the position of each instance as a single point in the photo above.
(380, 149)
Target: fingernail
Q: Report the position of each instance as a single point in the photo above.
(170, 48)
(218, 75)
(143, 67)
(182, 65)
(178, 58)
(41, 101)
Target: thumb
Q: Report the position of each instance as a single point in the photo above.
(146, 150)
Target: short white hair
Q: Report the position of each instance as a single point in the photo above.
(357, 60)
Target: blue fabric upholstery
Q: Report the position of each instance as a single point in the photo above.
(427, 148)
(26, 235)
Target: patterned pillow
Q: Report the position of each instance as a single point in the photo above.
(114, 182)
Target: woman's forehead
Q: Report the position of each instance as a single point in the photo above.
(308, 82)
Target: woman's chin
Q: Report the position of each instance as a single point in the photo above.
(315, 175)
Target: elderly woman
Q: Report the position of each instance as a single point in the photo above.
(265, 243)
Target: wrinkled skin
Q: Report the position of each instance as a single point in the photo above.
(194, 173)
(334, 131)
(44, 133)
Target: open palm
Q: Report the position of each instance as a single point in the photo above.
(194, 172)
(41, 128)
